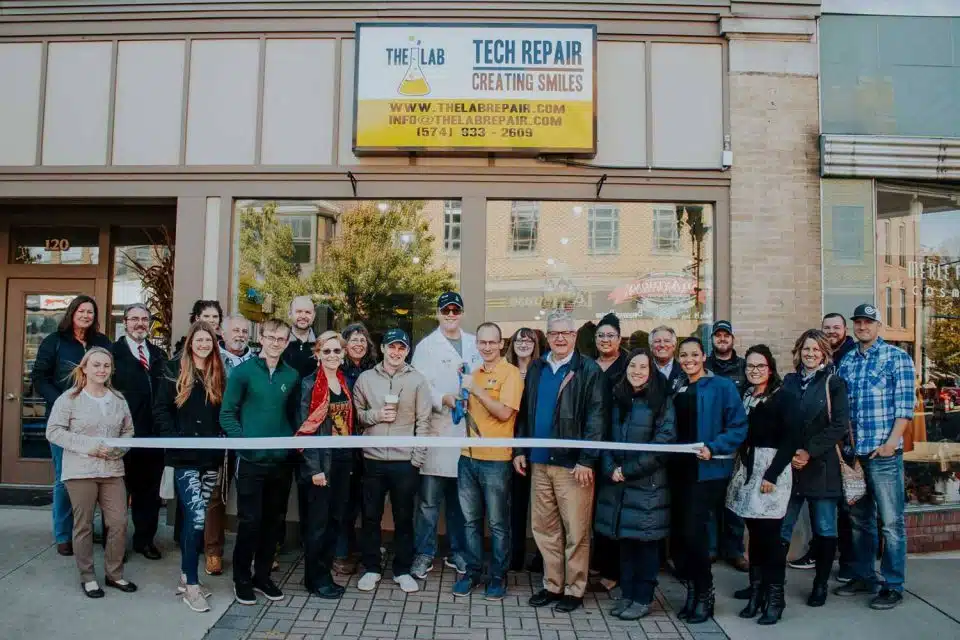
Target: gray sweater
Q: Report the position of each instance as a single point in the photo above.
(413, 412)
(77, 424)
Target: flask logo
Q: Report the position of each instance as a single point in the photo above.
(414, 83)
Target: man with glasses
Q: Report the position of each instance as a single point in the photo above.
(299, 351)
(563, 397)
(442, 357)
(138, 366)
(485, 472)
(261, 402)
(663, 343)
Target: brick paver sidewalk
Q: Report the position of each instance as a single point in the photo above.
(433, 613)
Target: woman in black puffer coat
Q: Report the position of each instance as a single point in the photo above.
(633, 503)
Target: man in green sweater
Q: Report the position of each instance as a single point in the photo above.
(260, 403)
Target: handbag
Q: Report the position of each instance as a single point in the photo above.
(853, 480)
(167, 489)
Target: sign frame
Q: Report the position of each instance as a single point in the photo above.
(454, 151)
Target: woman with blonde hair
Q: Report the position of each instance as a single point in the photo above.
(326, 409)
(824, 415)
(80, 419)
(188, 406)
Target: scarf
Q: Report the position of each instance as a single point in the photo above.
(320, 404)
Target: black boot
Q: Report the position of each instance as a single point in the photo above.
(703, 610)
(774, 606)
(748, 592)
(689, 603)
(826, 550)
(757, 601)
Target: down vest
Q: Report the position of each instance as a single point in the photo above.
(639, 507)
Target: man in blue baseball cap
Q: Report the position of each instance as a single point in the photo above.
(881, 385)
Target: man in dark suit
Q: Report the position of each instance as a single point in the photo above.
(663, 343)
(138, 366)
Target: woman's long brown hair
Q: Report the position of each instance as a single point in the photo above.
(214, 375)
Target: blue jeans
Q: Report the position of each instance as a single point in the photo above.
(485, 483)
(823, 516)
(194, 489)
(729, 527)
(62, 510)
(884, 496)
(433, 490)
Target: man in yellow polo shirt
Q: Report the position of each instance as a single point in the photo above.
(484, 472)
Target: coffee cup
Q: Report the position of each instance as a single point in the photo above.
(390, 401)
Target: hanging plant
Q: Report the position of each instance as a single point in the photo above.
(156, 280)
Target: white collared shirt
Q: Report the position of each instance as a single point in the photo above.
(135, 349)
(667, 369)
(555, 364)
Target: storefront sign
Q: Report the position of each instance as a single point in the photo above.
(656, 287)
(521, 89)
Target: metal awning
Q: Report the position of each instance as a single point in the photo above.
(850, 156)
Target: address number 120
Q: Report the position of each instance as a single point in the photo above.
(57, 244)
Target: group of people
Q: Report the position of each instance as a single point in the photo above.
(760, 446)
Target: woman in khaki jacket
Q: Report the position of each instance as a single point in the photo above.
(93, 472)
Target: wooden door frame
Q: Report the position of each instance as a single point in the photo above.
(15, 469)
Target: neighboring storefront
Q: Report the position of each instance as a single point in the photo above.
(891, 212)
(667, 170)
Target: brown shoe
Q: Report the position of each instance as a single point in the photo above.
(214, 565)
(739, 563)
(65, 548)
(345, 566)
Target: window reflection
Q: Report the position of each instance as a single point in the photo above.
(382, 262)
(592, 258)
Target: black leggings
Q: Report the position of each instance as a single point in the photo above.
(768, 551)
(690, 541)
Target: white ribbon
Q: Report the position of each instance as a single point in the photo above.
(391, 442)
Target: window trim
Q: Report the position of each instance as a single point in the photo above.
(449, 210)
(904, 317)
(520, 208)
(676, 231)
(614, 220)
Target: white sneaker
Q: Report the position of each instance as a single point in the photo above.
(194, 599)
(368, 581)
(182, 587)
(407, 583)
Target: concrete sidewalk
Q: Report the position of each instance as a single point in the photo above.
(40, 598)
(40, 595)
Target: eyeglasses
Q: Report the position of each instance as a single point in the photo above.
(361, 341)
(488, 343)
(553, 335)
(451, 311)
(523, 341)
(335, 352)
(607, 336)
(138, 320)
(274, 339)
(757, 367)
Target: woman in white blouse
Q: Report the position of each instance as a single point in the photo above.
(93, 472)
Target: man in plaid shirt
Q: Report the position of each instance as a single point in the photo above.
(880, 381)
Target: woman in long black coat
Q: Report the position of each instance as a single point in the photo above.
(824, 412)
(633, 504)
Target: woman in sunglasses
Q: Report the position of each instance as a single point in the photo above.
(326, 409)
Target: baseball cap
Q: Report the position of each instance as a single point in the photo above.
(722, 325)
(396, 335)
(448, 298)
(867, 311)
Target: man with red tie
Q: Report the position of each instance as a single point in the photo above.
(136, 374)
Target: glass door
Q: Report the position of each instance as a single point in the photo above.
(35, 309)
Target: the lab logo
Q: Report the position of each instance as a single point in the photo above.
(413, 58)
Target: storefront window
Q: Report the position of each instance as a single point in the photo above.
(591, 259)
(55, 245)
(921, 226)
(142, 272)
(380, 262)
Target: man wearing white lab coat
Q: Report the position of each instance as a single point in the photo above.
(441, 357)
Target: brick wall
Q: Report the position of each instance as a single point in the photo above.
(929, 531)
(775, 209)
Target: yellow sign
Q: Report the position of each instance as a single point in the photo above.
(474, 88)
